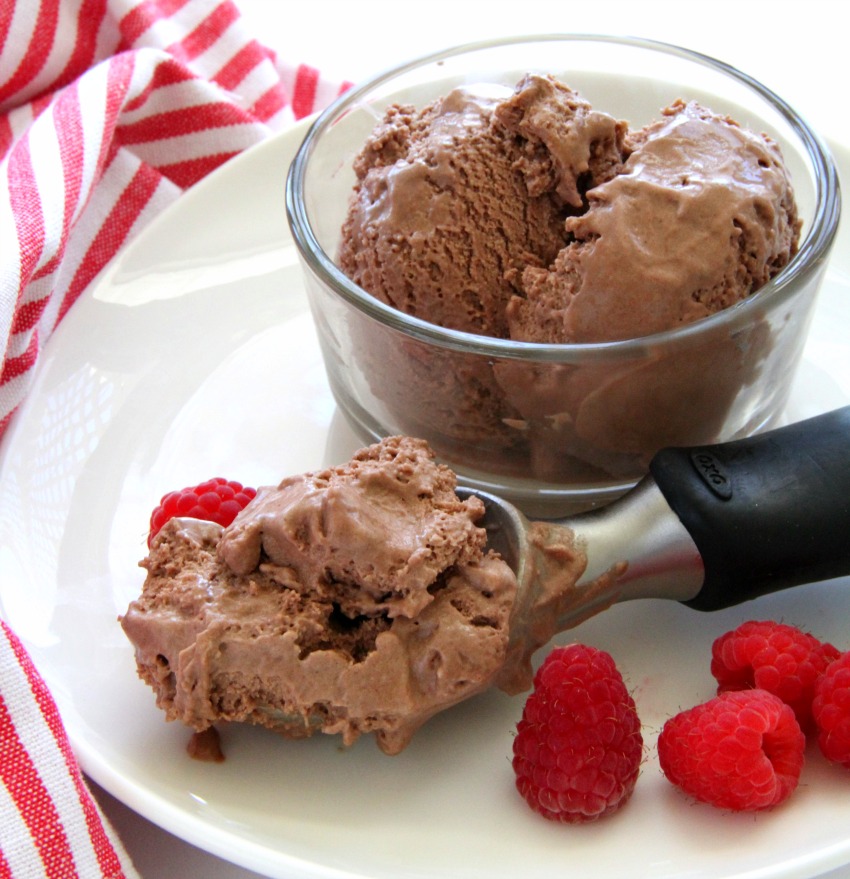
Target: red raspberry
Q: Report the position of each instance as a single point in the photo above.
(578, 747)
(775, 657)
(216, 500)
(741, 750)
(831, 709)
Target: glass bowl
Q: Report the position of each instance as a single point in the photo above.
(558, 428)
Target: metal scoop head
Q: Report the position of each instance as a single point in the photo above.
(710, 526)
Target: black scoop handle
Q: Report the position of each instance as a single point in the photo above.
(766, 512)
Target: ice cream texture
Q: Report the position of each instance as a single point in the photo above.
(535, 217)
(527, 214)
(355, 599)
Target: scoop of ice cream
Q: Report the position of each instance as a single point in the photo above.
(451, 204)
(643, 231)
(372, 535)
(358, 599)
(700, 216)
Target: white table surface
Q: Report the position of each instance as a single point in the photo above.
(799, 49)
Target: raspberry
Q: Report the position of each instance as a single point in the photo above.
(831, 709)
(741, 750)
(216, 500)
(775, 657)
(578, 746)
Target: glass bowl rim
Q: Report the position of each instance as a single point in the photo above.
(812, 251)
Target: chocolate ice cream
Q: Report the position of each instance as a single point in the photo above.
(532, 216)
(699, 216)
(452, 205)
(355, 599)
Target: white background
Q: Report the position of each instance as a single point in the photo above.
(799, 49)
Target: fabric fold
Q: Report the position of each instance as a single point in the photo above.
(109, 111)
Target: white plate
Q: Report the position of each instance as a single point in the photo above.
(195, 356)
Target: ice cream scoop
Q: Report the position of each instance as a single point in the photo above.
(710, 526)
(368, 597)
(353, 599)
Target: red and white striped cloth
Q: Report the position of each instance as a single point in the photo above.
(51, 825)
(109, 109)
